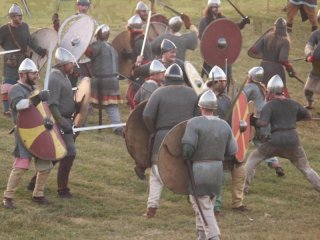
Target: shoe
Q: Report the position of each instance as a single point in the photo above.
(219, 213)
(308, 107)
(279, 171)
(151, 213)
(242, 208)
(8, 203)
(65, 195)
(40, 200)
(140, 173)
(7, 114)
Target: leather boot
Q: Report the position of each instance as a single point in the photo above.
(214, 238)
(40, 200)
(151, 213)
(201, 235)
(63, 176)
(8, 203)
(41, 181)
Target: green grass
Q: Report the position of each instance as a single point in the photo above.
(109, 200)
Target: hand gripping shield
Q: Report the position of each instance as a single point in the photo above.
(221, 41)
(122, 43)
(172, 168)
(43, 38)
(82, 97)
(241, 125)
(40, 134)
(137, 137)
(194, 78)
(75, 34)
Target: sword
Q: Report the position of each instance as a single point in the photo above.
(81, 129)
(10, 51)
(26, 7)
(298, 59)
(46, 79)
(170, 8)
(146, 33)
(238, 11)
(299, 79)
(58, 6)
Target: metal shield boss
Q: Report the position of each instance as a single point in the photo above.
(155, 29)
(83, 97)
(257, 55)
(194, 78)
(172, 169)
(122, 43)
(75, 34)
(137, 137)
(221, 41)
(43, 38)
(40, 134)
(241, 125)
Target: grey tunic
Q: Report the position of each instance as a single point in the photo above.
(61, 95)
(183, 43)
(255, 93)
(22, 36)
(105, 67)
(166, 107)
(145, 91)
(212, 140)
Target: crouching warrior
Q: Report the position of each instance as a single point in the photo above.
(24, 105)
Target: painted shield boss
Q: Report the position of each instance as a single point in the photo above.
(75, 34)
(194, 78)
(137, 137)
(155, 29)
(122, 43)
(43, 38)
(241, 125)
(40, 134)
(218, 45)
(83, 97)
(172, 169)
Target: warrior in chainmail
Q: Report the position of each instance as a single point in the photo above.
(256, 92)
(282, 114)
(166, 107)
(19, 99)
(14, 35)
(183, 41)
(207, 141)
(312, 52)
(105, 84)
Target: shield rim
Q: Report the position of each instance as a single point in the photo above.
(198, 90)
(81, 117)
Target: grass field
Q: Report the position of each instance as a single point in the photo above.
(109, 200)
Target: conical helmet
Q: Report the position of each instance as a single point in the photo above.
(208, 100)
(275, 85)
(141, 6)
(156, 67)
(174, 71)
(104, 29)
(167, 45)
(175, 23)
(63, 56)
(217, 74)
(212, 3)
(83, 2)
(256, 74)
(15, 10)
(281, 26)
(27, 65)
(135, 22)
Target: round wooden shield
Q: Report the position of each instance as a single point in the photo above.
(159, 18)
(83, 97)
(137, 137)
(42, 139)
(172, 169)
(241, 125)
(156, 29)
(194, 78)
(75, 34)
(43, 38)
(221, 41)
(122, 43)
(253, 54)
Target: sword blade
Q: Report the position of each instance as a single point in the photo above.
(58, 6)
(10, 51)
(81, 129)
(46, 79)
(26, 7)
(146, 33)
(238, 11)
(170, 8)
